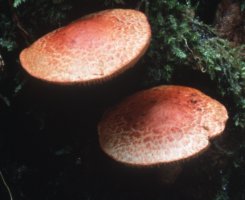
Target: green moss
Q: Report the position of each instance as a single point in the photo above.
(226, 66)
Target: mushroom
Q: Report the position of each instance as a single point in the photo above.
(164, 124)
(92, 49)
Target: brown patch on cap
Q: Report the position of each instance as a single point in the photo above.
(94, 48)
(161, 125)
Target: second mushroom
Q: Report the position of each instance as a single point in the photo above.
(161, 125)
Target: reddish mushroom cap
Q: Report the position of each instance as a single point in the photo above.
(94, 48)
(159, 125)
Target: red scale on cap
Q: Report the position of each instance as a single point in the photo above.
(161, 124)
(92, 49)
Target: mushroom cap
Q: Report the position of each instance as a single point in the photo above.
(161, 125)
(93, 48)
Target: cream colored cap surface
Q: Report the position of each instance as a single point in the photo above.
(94, 48)
(160, 125)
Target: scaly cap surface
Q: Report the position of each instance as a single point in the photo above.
(160, 125)
(92, 49)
